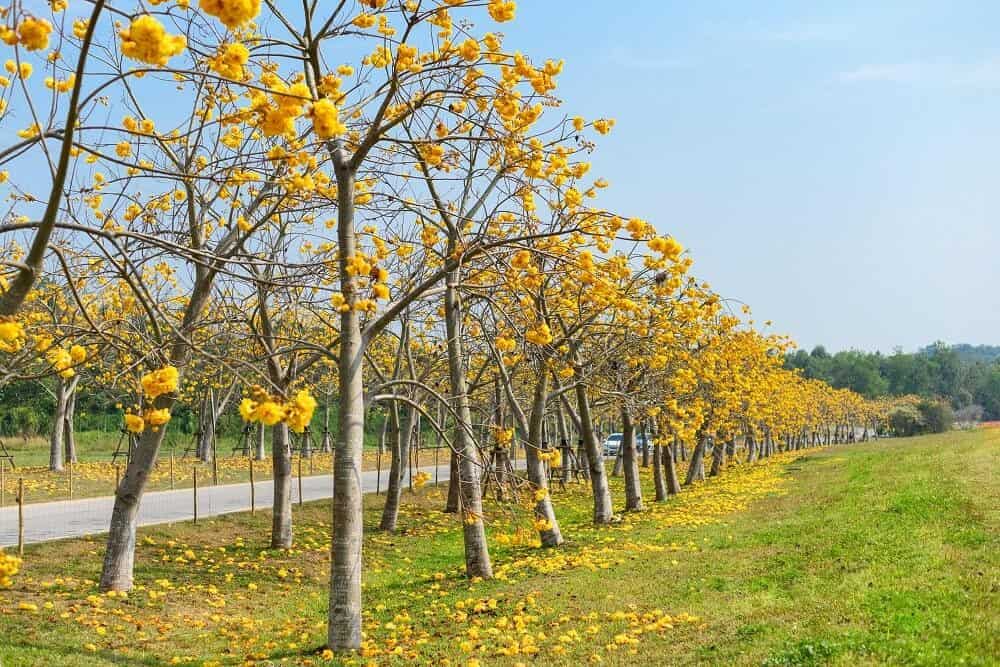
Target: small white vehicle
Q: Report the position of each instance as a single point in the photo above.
(614, 442)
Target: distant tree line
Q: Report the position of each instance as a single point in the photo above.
(967, 377)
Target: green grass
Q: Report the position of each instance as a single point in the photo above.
(877, 553)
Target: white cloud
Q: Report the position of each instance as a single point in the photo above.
(982, 74)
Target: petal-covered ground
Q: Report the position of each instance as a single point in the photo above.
(876, 553)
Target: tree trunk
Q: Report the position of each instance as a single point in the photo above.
(545, 515)
(281, 465)
(751, 449)
(595, 459)
(630, 459)
(344, 615)
(453, 504)
(616, 470)
(477, 555)
(399, 441)
(119, 557)
(670, 470)
(260, 453)
(696, 469)
(645, 445)
(718, 458)
(69, 434)
(658, 483)
(58, 426)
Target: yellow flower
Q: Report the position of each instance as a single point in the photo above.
(159, 382)
(77, 353)
(135, 423)
(268, 412)
(232, 13)
(9, 566)
(229, 60)
(34, 33)
(146, 40)
(469, 50)
(157, 417)
(299, 411)
(541, 335)
(326, 119)
(502, 10)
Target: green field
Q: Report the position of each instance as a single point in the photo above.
(877, 553)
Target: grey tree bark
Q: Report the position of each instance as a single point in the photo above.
(696, 469)
(550, 536)
(58, 431)
(344, 614)
(630, 462)
(477, 556)
(595, 461)
(281, 466)
(399, 443)
(659, 485)
(670, 471)
(69, 422)
(718, 458)
(259, 451)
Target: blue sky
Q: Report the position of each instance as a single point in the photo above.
(834, 165)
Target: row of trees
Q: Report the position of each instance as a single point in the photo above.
(967, 377)
(369, 204)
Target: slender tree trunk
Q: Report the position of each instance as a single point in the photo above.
(399, 441)
(281, 465)
(633, 489)
(595, 460)
(751, 449)
(616, 470)
(477, 555)
(646, 450)
(58, 426)
(454, 502)
(260, 453)
(696, 469)
(545, 514)
(69, 423)
(659, 484)
(670, 470)
(344, 616)
(718, 458)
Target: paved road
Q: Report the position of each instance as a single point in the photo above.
(89, 516)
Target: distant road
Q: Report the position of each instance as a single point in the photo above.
(90, 516)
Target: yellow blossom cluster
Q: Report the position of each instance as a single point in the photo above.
(146, 40)
(9, 566)
(12, 335)
(262, 408)
(232, 13)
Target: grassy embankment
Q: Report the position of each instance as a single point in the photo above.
(878, 553)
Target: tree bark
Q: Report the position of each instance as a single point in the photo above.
(670, 470)
(718, 458)
(477, 555)
(69, 422)
(549, 534)
(58, 426)
(344, 614)
(696, 469)
(595, 459)
(281, 465)
(659, 485)
(399, 440)
(260, 453)
(630, 462)
(454, 501)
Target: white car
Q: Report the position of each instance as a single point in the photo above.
(614, 442)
